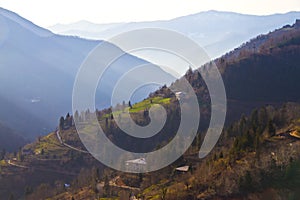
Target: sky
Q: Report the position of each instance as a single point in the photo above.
(50, 12)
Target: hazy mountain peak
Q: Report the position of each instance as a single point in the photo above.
(217, 31)
(6, 15)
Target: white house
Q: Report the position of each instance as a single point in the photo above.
(183, 168)
(136, 165)
(179, 95)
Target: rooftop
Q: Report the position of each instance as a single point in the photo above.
(140, 161)
(183, 168)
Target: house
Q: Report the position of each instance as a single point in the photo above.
(136, 165)
(183, 168)
(179, 95)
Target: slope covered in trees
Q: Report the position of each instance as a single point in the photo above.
(263, 71)
(256, 156)
(267, 67)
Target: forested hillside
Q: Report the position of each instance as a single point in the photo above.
(257, 156)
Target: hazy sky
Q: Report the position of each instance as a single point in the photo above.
(50, 12)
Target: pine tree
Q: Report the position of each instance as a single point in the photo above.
(2, 154)
(61, 123)
(221, 155)
(271, 129)
(129, 104)
(106, 186)
(76, 116)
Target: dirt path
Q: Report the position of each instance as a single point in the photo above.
(40, 169)
(67, 145)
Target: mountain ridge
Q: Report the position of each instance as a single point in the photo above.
(10, 140)
(37, 72)
(25, 23)
(218, 32)
(175, 18)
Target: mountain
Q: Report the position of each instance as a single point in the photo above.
(275, 57)
(217, 32)
(37, 72)
(82, 27)
(10, 140)
(263, 71)
(256, 157)
(37, 69)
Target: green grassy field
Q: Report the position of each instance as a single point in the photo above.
(146, 104)
(141, 106)
(49, 145)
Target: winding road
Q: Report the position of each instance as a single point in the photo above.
(40, 169)
(67, 145)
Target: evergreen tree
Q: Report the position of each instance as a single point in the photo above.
(221, 155)
(42, 152)
(106, 186)
(76, 116)
(20, 157)
(61, 123)
(271, 128)
(2, 154)
(129, 104)
(106, 122)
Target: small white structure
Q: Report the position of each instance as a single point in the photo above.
(179, 95)
(136, 165)
(272, 153)
(183, 168)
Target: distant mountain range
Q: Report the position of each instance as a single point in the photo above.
(218, 32)
(37, 72)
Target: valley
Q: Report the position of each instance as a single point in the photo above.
(256, 157)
